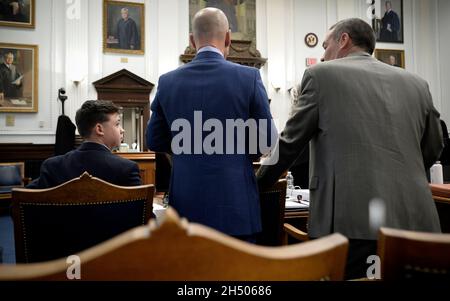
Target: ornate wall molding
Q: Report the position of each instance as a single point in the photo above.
(241, 52)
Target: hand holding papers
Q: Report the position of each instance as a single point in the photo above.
(17, 81)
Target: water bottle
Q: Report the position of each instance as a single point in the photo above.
(165, 201)
(436, 174)
(290, 181)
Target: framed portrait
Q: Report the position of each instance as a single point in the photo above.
(388, 20)
(123, 27)
(17, 13)
(18, 78)
(392, 57)
(241, 16)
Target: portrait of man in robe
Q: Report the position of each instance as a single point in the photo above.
(388, 20)
(123, 28)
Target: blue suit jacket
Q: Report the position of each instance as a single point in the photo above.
(218, 190)
(94, 158)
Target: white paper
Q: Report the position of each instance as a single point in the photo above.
(16, 81)
(295, 205)
(18, 102)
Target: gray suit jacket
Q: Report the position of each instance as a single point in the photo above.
(373, 131)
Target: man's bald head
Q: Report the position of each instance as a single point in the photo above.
(210, 27)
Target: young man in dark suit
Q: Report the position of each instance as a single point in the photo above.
(98, 123)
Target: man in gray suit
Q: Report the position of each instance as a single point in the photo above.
(373, 131)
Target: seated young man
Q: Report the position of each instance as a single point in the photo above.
(98, 122)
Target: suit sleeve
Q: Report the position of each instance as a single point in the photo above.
(158, 134)
(432, 140)
(260, 112)
(1, 82)
(134, 178)
(134, 41)
(118, 31)
(300, 128)
(396, 22)
(44, 180)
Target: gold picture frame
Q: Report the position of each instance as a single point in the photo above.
(20, 79)
(122, 35)
(393, 57)
(22, 14)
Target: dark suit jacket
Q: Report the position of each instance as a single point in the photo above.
(371, 137)
(94, 158)
(128, 34)
(6, 78)
(65, 135)
(216, 190)
(445, 155)
(392, 19)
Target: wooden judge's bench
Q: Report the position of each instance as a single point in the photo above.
(147, 165)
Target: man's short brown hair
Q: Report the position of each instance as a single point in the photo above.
(93, 112)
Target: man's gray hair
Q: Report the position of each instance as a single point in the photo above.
(360, 32)
(7, 53)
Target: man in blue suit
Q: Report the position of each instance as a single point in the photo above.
(98, 123)
(212, 181)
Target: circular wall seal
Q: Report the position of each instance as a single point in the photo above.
(311, 40)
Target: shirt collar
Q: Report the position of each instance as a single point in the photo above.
(96, 143)
(358, 53)
(209, 48)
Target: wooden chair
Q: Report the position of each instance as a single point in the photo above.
(177, 250)
(441, 196)
(60, 221)
(413, 255)
(12, 175)
(272, 202)
(290, 230)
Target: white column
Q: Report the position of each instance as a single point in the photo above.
(77, 55)
(95, 46)
(444, 48)
(279, 36)
(425, 44)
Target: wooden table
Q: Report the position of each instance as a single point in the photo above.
(146, 162)
(441, 196)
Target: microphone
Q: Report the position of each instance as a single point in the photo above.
(63, 97)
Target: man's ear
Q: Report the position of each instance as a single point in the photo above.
(98, 130)
(228, 39)
(344, 41)
(191, 38)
